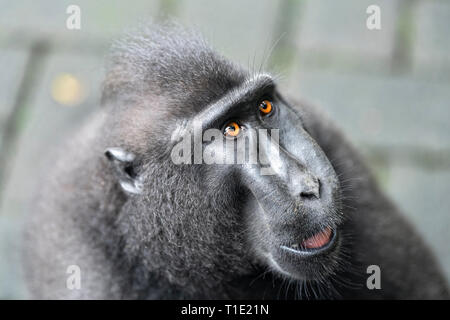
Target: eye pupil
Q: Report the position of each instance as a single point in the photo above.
(265, 107)
(232, 129)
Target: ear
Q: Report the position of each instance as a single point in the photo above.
(123, 165)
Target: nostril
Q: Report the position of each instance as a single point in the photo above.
(308, 195)
(312, 191)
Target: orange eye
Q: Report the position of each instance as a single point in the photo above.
(232, 129)
(265, 107)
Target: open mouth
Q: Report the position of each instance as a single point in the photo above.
(319, 242)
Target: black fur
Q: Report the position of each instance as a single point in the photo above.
(186, 237)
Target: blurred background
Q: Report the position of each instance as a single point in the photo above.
(388, 89)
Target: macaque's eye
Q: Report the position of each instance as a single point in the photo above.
(265, 107)
(232, 129)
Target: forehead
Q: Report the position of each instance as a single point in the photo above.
(250, 89)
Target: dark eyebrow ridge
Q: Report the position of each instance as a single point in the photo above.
(249, 90)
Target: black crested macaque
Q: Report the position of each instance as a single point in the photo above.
(142, 221)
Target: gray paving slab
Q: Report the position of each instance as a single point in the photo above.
(379, 110)
(335, 28)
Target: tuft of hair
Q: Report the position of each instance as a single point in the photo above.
(169, 61)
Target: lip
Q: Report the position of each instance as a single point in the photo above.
(299, 250)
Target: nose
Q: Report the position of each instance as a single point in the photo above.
(310, 187)
(302, 182)
(296, 173)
